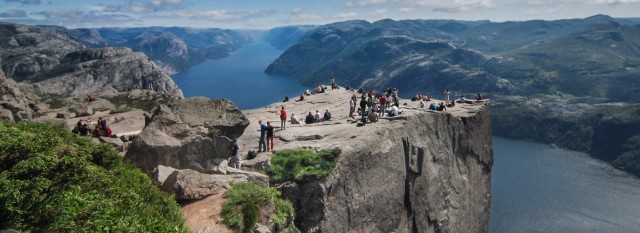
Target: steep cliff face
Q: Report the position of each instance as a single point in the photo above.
(423, 171)
(430, 175)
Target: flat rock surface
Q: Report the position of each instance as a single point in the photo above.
(340, 131)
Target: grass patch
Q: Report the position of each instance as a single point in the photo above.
(300, 164)
(55, 102)
(241, 211)
(54, 181)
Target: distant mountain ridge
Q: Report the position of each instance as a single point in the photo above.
(363, 54)
(573, 83)
(172, 48)
(59, 65)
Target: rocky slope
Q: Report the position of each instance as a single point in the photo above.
(14, 105)
(421, 172)
(61, 66)
(105, 71)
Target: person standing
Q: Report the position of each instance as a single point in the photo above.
(383, 105)
(446, 95)
(363, 109)
(283, 118)
(234, 155)
(262, 146)
(352, 106)
(270, 136)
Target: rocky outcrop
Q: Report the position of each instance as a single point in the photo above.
(193, 133)
(14, 105)
(192, 185)
(29, 51)
(433, 174)
(424, 171)
(63, 67)
(105, 71)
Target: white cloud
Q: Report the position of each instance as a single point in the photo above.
(407, 9)
(77, 18)
(25, 2)
(366, 3)
(13, 13)
(222, 15)
(165, 2)
(614, 2)
(541, 11)
(451, 5)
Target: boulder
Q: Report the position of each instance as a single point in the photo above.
(255, 177)
(184, 136)
(83, 111)
(102, 105)
(115, 142)
(63, 115)
(13, 103)
(6, 115)
(160, 174)
(220, 116)
(191, 185)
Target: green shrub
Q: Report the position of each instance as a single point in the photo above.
(300, 164)
(55, 102)
(54, 181)
(241, 211)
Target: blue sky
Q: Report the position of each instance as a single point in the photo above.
(264, 14)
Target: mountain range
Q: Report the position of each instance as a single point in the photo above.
(565, 82)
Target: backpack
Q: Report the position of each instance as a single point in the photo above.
(251, 154)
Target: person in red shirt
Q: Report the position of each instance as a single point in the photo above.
(383, 105)
(283, 118)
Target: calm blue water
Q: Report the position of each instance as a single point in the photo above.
(240, 78)
(536, 188)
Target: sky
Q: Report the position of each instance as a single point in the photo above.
(266, 14)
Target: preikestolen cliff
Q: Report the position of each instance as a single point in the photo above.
(358, 123)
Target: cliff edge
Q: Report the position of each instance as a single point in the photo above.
(423, 171)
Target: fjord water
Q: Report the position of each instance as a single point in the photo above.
(240, 78)
(536, 188)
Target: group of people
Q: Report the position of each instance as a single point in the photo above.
(374, 105)
(85, 128)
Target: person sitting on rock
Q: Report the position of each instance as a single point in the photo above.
(432, 106)
(307, 92)
(83, 130)
(317, 116)
(286, 98)
(394, 111)
(327, 115)
(442, 107)
(373, 117)
(421, 105)
(294, 119)
(310, 119)
(301, 97)
(479, 96)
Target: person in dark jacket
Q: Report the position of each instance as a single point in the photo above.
(310, 119)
